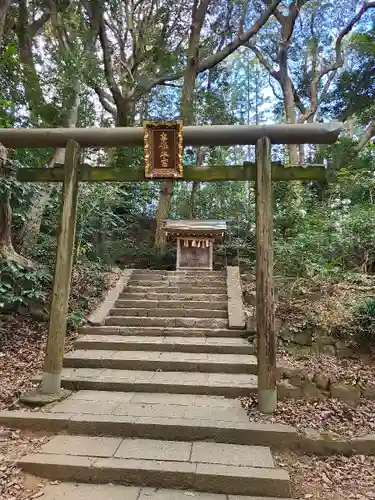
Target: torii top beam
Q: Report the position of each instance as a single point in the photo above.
(206, 135)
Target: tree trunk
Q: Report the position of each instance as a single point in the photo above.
(31, 228)
(195, 188)
(366, 136)
(193, 200)
(166, 190)
(302, 154)
(290, 115)
(187, 110)
(4, 5)
(7, 251)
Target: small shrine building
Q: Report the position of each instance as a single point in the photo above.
(195, 241)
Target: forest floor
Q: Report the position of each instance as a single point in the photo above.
(316, 478)
(21, 357)
(327, 307)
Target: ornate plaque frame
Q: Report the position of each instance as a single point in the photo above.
(163, 147)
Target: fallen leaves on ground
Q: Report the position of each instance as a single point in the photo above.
(355, 370)
(21, 358)
(330, 478)
(325, 415)
(13, 445)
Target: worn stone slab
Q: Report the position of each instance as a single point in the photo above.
(234, 455)
(165, 344)
(99, 396)
(82, 491)
(157, 331)
(166, 474)
(166, 322)
(150, 410)
(166, 313)
(171, 304)
(249, 480)
(211, 478)
(166, 399)
(177, 282)
(220, 414)
(102, 311)
(150, 449)
(165, 361)
(60, 467)
(233, 430)
(89, 446)
(183, 289)
(236, 309)
(163, 494)
(83, 407)
(162, 296)
(219, 384)
(35, 420)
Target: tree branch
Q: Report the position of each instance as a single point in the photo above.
(104, 98)
(263, 61)
(31, 82)
(222, 54)
(108, 69)
(331, 69)
(366, 136)
(39, 23)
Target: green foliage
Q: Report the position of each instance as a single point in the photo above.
(355, 91)
(147, 256)
(363, 325)
(20, 286)
(319, 231)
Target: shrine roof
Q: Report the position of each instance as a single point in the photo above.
(194, 226)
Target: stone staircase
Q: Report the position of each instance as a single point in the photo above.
(156, 403)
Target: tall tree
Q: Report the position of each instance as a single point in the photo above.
(196, 63)
(7, 250)
(68, 40)
(296, 53)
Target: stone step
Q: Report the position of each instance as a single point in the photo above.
(162, 361)
(213, 384)
(201, 466)
(82, 491)
(185, 297)
(197, 273)
(183, 289)
(178, 279)
(172, 304)
(167, 322)
(180, 417)
(178, 283)
(167, 312)
(166, 344)
(157, 331)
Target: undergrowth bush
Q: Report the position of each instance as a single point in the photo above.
(327, 243)
(20, 286)
(363, 324)
(146, 256)
(88, 285)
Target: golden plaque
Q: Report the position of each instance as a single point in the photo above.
(163, 149)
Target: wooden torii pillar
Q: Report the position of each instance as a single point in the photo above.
(265, 307)
(263, 172)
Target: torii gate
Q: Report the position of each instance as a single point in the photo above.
(263, 172)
